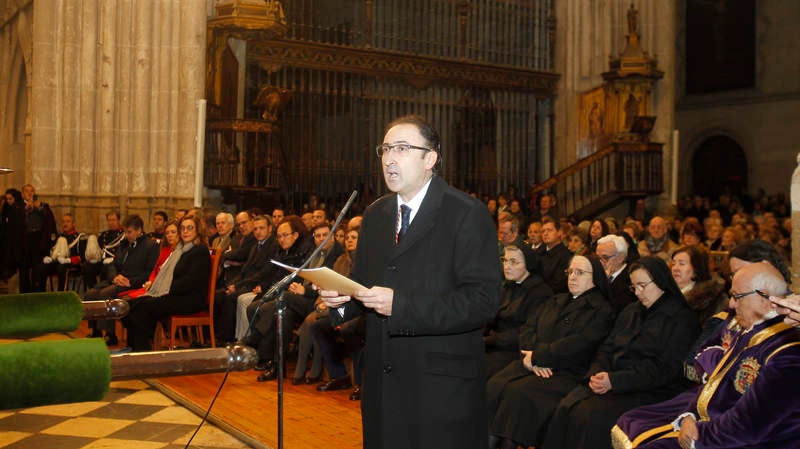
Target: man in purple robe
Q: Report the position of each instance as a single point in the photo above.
(749, 398)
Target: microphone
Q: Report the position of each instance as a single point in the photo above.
(283, 283)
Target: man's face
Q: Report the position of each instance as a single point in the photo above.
(131, 234)
(308, 220)
(244, 223)
(544, 203)
(113, 221)
(67, 224)
(505, 234)
(224, 227)
(261, 229)
(277, 216)
(607, 253)
(657, 228)
(514, 207)
(535, 233)
(27, 193)
(550, 235)
(158, 223)
(407, 172)
(750, 308)
(317, 217)
(286, 237)
(321, 234)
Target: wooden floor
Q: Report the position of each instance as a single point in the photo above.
(312, 419)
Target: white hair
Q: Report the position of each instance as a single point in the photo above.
(228, 217)
(620, 244)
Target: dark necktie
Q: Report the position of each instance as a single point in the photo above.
(405, 220)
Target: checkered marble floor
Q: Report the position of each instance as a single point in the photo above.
(131, 415)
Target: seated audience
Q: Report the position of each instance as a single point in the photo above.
(241, 244)
(66, 254)
(599, 228)
(224, 225)
(554, 256)
(180, 288)
(657, 243)
(299, 294)
(170, 239)
(160, 219)
(352, 333)
(294, 248)
(749, 399)
(508, 233)
(558, 343)
(108, 243)
(639, 363)
(241, 290)
(612, 250)
(534, 234)
(522, 292)
(133, 262)
(576, 242)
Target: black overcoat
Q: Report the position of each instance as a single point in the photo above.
(423, 365)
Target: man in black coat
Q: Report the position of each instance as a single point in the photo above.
(134, 261)
(612, 250)
(428, 256)
(248, 280)
(554, 255)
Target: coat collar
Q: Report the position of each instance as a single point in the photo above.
(424, 220)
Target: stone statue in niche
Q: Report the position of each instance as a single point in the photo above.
(631, 110)
(632, 19)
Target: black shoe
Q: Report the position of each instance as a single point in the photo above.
(111, 340)
(339, 383)
(297, 380)
(356, 394)
(313, 380)
(270, 374)
(263, 366)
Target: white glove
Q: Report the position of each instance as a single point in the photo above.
(64, 260)
(108, 261)
(47, 259)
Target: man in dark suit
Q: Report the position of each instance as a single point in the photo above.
(554, 255)
(134, 260)
(428, 256)
(612, 250)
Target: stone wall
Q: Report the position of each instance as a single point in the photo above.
(113, 114)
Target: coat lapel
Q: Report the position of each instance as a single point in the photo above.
(425, 218)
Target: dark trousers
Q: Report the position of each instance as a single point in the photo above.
(352, 333)
(147, 311)
(263, 334)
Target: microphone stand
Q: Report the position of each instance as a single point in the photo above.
(277, 291)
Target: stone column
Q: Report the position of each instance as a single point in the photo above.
(113, 116)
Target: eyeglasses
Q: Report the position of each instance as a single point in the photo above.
(606, 258)
(640, 285)
(400, 149)
(512, 262)
(577, 272)
(187, 228)
(738, 296)
(321, 235)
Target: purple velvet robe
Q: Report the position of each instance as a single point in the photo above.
(751, 398)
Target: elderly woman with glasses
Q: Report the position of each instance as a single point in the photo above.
(557, 344)
(640, 362)
(523, 290)
(180, 287)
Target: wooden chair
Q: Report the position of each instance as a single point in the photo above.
(199, 319)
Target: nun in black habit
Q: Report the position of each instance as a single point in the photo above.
(639, 363)
(558, 343)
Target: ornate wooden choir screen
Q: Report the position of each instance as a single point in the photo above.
(479, 70)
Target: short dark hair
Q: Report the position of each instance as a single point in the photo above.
(548, 219)
(133, 221)
(320, 226)
(426, 130)
(266, 218)
(114, 213)
(759, 250)
(699, 260)
(161, 214)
